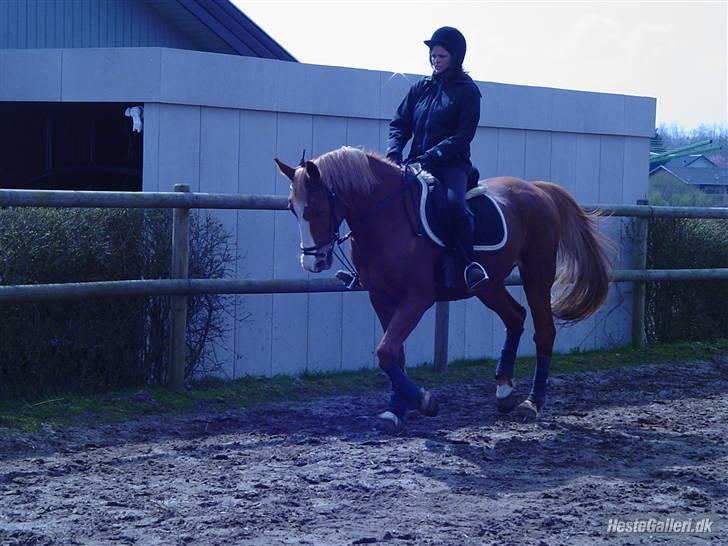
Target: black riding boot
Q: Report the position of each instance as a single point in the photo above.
(474, 273)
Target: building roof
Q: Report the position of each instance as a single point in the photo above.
(698, 177)
(719, 160)
(198, 17)
(687, 161)
(214, 26)
(232, 26)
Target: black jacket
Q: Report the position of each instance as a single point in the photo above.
(440, 114)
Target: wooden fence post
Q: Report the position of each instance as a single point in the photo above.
(442, 333)
(639, 261)
(178, 304)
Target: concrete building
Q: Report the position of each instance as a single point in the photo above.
(214, 119)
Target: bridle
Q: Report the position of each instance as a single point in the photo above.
(334, 233)
(335, 239)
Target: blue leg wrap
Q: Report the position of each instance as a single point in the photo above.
(397, 404)
(508, 355)
(540, 375)
(405, 394)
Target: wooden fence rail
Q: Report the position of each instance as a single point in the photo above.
(170, 200)
(180, 287)
(139, 200)
(36, 293)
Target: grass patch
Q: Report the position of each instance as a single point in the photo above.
(60, 411)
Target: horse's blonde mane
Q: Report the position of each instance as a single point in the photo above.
(347, 170)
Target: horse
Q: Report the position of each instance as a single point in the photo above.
(556, 246)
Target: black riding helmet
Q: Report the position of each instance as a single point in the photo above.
(451, 39)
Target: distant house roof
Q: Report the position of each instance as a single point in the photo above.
(697, 177)
(718, 159)
(690, 160)
(231, 25)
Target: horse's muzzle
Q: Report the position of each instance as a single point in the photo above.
(321, 261)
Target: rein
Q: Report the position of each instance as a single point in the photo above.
(407, 179)
(336, 240)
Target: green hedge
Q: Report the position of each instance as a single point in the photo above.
(94, 345)
(690, 310)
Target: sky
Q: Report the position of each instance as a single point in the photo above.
(675, 51)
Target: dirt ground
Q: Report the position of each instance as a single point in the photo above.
(644, 442)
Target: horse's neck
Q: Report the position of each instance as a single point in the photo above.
(377, 216)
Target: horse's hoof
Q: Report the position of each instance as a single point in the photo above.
(428, 404)
(389, 422)
(505, 396)
(506, 405)
(528, 411)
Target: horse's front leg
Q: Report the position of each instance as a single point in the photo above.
(385, 311)
(390, 352)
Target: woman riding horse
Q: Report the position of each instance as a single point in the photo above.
(396, 265)
(441, 113)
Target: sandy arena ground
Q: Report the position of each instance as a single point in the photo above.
(649, 442)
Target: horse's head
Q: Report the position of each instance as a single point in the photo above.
(314, 206)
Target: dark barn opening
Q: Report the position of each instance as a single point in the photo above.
(69, 146)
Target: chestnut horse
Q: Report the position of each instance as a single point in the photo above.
(550, 238)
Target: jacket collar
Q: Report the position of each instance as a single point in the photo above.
(449, 77)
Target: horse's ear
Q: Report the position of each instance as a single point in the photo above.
(314, 176)
(285, 169)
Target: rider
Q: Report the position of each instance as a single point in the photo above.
(441, 113)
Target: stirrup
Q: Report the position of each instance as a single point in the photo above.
(476, 284)
(349, 280)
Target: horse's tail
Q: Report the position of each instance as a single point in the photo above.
(583, 271)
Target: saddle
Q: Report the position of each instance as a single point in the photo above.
(490, 231)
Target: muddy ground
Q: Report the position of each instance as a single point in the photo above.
(649, 442)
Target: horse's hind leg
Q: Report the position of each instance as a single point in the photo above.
(513, 316)
(538, 277)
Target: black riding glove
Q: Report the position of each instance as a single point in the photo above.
(425, 161)
(395, 157)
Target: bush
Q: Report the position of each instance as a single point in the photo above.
(94, 345)
(691, 310)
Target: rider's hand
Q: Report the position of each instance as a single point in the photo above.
(395, 157)
(425, 162)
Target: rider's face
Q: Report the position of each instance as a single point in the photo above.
(440, 59)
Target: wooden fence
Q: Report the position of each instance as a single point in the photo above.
(180, 286)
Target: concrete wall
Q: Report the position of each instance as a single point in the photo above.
(216, 122)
